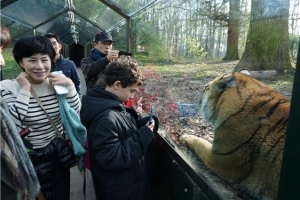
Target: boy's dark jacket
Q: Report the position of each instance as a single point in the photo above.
(118, 141)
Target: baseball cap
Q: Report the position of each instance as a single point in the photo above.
(103, 36)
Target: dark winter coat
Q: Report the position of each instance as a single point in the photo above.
(118, 142)
(93, 68)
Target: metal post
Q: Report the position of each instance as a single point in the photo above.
(129, 34)
(290, 171)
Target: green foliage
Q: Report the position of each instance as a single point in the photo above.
(148, 39)
(11, 69)
(195, 49)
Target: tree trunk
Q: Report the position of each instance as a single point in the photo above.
(232, 52)
(267, 42)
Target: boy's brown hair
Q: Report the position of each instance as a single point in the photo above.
(124, 69)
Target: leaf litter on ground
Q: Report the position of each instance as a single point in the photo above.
(175, 91)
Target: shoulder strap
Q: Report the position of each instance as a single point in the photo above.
(49, 118)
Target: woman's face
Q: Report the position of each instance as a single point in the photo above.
(37, 67)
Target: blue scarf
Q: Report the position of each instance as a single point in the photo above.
(75, 131)
(96, 54)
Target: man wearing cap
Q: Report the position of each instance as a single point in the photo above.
(93, 66)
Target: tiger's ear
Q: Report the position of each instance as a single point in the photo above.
(245, 71)
(229, 80)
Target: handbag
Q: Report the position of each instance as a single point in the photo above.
(51, 121)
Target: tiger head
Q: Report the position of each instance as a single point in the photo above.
(250, 121)
(234, 94)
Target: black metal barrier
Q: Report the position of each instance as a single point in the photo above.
(178, 176)
(290, 172)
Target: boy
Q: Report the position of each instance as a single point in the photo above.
(118, 139)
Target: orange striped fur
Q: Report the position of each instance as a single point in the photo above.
(250, 122)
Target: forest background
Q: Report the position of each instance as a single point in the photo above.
(262, 34)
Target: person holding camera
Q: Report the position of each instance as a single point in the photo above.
(33, 105)
(93, 66)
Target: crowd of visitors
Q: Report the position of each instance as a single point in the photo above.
(36, 155)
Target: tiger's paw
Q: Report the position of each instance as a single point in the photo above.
(188, 139)
(208, 138)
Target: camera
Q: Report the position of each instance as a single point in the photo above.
(124, 53)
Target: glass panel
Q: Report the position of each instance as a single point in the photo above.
(119, 37)
(16, 29)
(33, 12)
(98, 13)
(131, 6)
(62, 27)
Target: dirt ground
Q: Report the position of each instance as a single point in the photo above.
(175, 99)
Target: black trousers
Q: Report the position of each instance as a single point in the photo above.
(61, 183)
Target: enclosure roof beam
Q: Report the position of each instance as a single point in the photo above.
(143, 9)
(5, 3)
(85, 18)
(51, 18)
(40, 24)
(115, 8)
(17, 21)
(120, 23)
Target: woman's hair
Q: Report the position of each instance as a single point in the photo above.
(5, 37)
(31, 45)
(124, 69)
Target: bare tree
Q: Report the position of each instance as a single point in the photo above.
(232, 51)
(267, 44)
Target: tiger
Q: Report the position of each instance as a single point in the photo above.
(249, 121)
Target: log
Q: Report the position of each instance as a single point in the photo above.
(263, 74)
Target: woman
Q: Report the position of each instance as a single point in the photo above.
(18, 178)
(50, 155)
